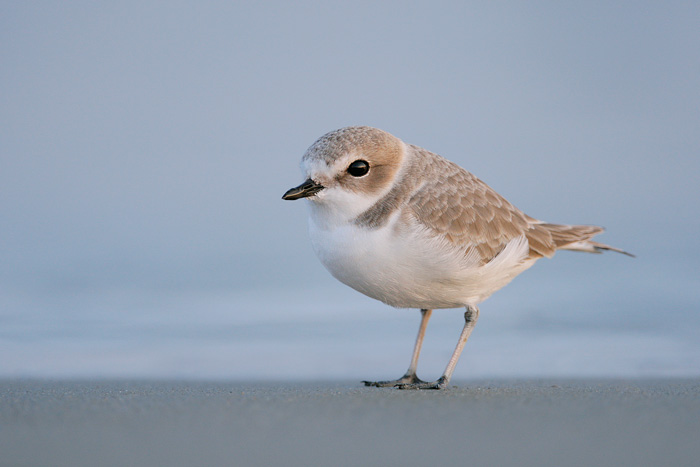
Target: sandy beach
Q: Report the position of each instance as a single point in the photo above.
(525, 422)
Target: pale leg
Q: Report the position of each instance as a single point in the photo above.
(410, 376)
(470, 318)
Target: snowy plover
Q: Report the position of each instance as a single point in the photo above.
(414, 230)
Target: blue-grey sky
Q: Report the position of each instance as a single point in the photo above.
(146, 144)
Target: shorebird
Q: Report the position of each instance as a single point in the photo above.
(412, 229)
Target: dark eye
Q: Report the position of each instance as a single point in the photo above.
(358, 168)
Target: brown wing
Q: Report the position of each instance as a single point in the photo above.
(456, 205)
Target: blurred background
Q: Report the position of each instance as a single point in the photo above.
(144, 148)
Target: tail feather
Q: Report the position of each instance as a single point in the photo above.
(546, 238)
(593, 247)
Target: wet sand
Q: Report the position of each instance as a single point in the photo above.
(520, 422)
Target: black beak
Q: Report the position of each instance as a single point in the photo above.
(306, 189)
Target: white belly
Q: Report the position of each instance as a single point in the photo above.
(411, 269)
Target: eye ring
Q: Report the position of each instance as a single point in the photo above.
(358, 168)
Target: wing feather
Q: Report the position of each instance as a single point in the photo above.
(457, 206)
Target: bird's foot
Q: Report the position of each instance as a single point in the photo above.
(439, 384)
(406, 379)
